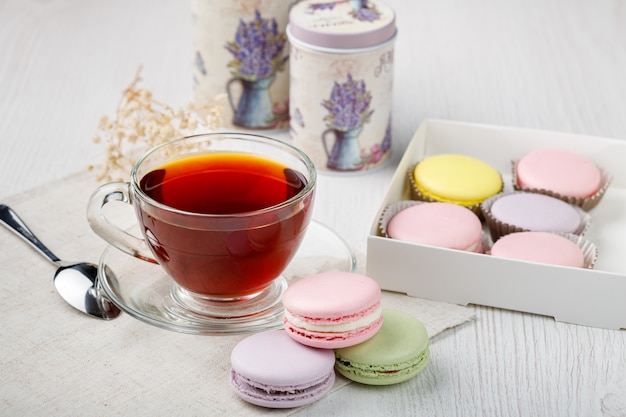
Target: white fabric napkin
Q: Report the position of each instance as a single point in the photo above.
(57, 361)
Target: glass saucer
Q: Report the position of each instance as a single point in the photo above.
(146, 292)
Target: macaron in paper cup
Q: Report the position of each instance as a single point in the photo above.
(454, 178)
(417, 195)
(588, 249)
(467, 236)
(586, 203)
(521, 211)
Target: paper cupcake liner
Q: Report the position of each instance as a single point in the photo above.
(416, 194)
(394, 208)
(587, 247)
(584, 203)
(497, 228)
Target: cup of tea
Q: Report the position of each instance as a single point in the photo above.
(222, 213)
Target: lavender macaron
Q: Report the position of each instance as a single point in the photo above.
(272, 370)
(524, 211)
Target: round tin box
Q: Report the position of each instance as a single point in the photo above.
(341, 73)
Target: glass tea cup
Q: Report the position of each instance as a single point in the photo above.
(222, 213)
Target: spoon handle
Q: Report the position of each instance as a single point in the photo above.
(17, 226)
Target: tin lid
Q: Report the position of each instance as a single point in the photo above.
(342, 24)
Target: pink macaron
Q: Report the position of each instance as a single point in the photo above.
(560, 171)
(333, 309)
(271, 369)
(541, 247)
(443, 225)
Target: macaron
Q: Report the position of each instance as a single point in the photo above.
(524, 211)
(455, 178)
(332, 309)
(541, 247)
(271, 369)
(561, 171)
(444, 225)
(398, 352)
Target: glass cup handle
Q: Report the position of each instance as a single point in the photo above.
(124, 241)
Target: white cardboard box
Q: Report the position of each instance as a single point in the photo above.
(594, 298)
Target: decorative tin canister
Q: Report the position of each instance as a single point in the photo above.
(241, 50)
(341, 73)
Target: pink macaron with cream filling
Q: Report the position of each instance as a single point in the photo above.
(444, 225)
(333, 309)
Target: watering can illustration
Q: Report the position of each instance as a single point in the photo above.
(344, 154)
(254, 108)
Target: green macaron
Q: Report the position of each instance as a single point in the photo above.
(397, 352)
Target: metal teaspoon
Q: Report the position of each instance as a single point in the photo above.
(75, 282)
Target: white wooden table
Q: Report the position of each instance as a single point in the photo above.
(552, 64)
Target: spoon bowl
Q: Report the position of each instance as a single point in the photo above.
(76, 283)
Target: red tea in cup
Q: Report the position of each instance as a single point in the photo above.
(240, 252)
(222, 183)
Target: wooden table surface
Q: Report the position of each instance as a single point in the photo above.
(553, 64)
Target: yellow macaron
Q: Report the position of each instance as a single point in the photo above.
(454, 178)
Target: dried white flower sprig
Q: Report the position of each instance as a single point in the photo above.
(141, 122)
